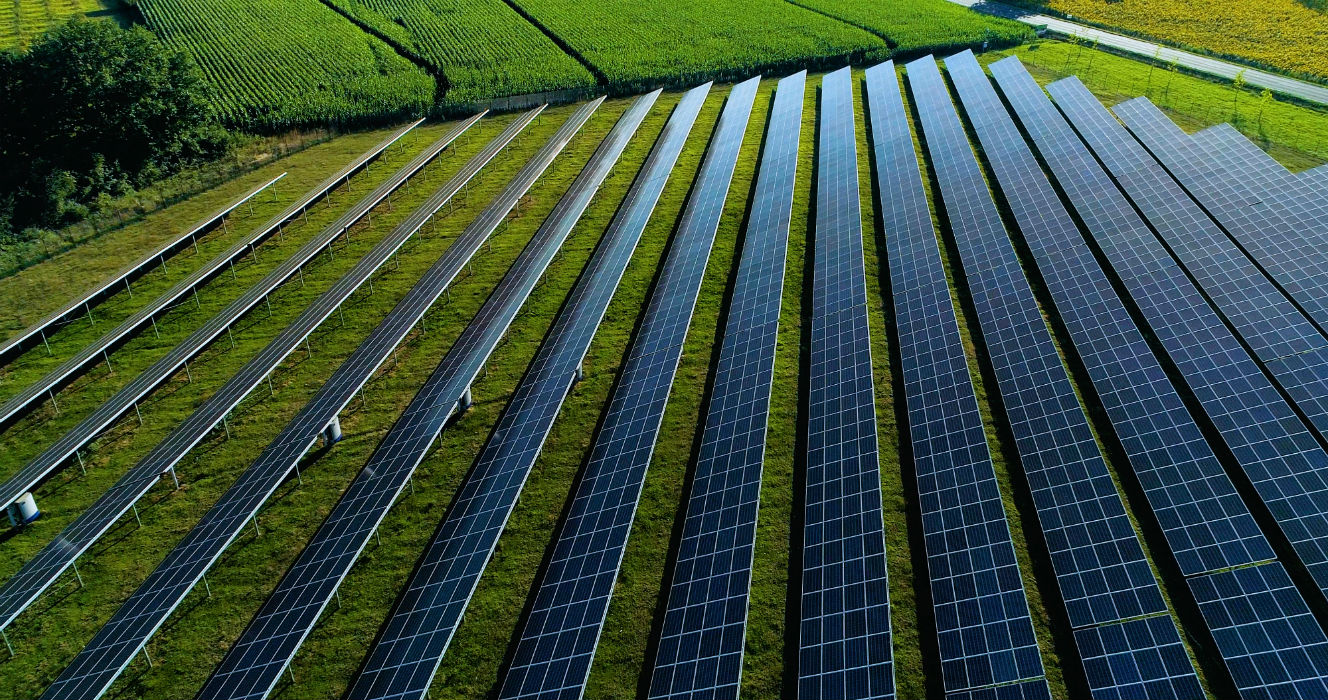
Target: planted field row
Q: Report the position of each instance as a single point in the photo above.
(21, 21)
(913, 25)
(276, 66)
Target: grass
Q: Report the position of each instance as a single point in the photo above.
(197, 636)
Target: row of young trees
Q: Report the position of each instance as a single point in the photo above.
(91, 111)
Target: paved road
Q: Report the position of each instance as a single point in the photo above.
(1300, 89)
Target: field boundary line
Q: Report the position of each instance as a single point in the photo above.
(600, 78)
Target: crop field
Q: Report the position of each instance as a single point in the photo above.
(912, 26)
(483, 47)
(20, 20)
(186, 650)
(1286, 35)
(278, 65)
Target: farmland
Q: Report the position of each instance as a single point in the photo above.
(278, 65)
(20, 21)
(1285, 35)
(484, 48)
(912, 26)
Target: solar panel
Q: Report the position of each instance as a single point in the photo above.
(403, 660)
(254, 663)
(1262, 626)
(117, 643)
(1027, 690)
(43, 569)
(1317, 178)
(1140, 658)
(985, 633)
(558, 643)
(1294, 256)
(1286, 465)
(1102, 574)
(844, 645)
(125, 275)
(146, 315)
(1225, 137)
(1263, 177)
(700, 650)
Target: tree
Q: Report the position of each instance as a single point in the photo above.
(90, 109)
(1238, 83)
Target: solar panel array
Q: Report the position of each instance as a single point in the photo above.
(1278, 453)
(43, 569)
(255, 661)
(985, 634)
(1262, 177)
(116, 644)
(164, 368)
(1207, 525)
(844, 644)
(403, 660)
(144, 316)
(1225, 137)
(1291, 255)
(125, 275)
(1316, 178)
(559, 640)
(1100, 567)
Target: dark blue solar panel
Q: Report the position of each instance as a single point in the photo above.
(1265, 631)
(255, 662)
(1223, 139)
(1099, 564)
(403, 660)
(1027, 690)
(985, 634)
(845, 639)
(1141, 659)
(1288, 468)
(1317, 178)
(1262, 177)
(1292, 254)
(558, 643)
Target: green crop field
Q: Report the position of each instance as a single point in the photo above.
(279, 65)
(20, 20)
(913, 25)
(193, 641)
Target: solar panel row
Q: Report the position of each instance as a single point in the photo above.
(1316, 178)
(556, 647)
(1262, 177)
(140, 386)
(1275, 450)
(42, 570)
(402, 662)
(1291, 255)
(106, 656)
(1208, 527)
(255, 661)
(21, 340)
(1226, 137)
(844, 644)
(1100, 567)
(985, 634)
(53, 380)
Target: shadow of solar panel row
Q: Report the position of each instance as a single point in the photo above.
(1292, 256)
(25, 338)
(701, 644)
(985, 634)
(1262, 177)
(844, 643)
(554, 653)
(116, 644)
(44, 568)
(1100, 568)
(253, 665)
(1208, 527)
(403, 660)
(1279, 455)
(148, 380)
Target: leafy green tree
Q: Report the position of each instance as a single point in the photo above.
(94, 109)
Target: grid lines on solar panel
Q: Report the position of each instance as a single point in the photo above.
(1099, 563)
(1294, 256)
(701, 643)
(403, 660)
(1207, 525)
(983, 625)
(1141, 658)
(1317, 178)
(844, 644)
(1283, 461)
(1026, 690)
(253, 665)
(1262, 177)
(554, 653)
(137, 619)
(1263, 628)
